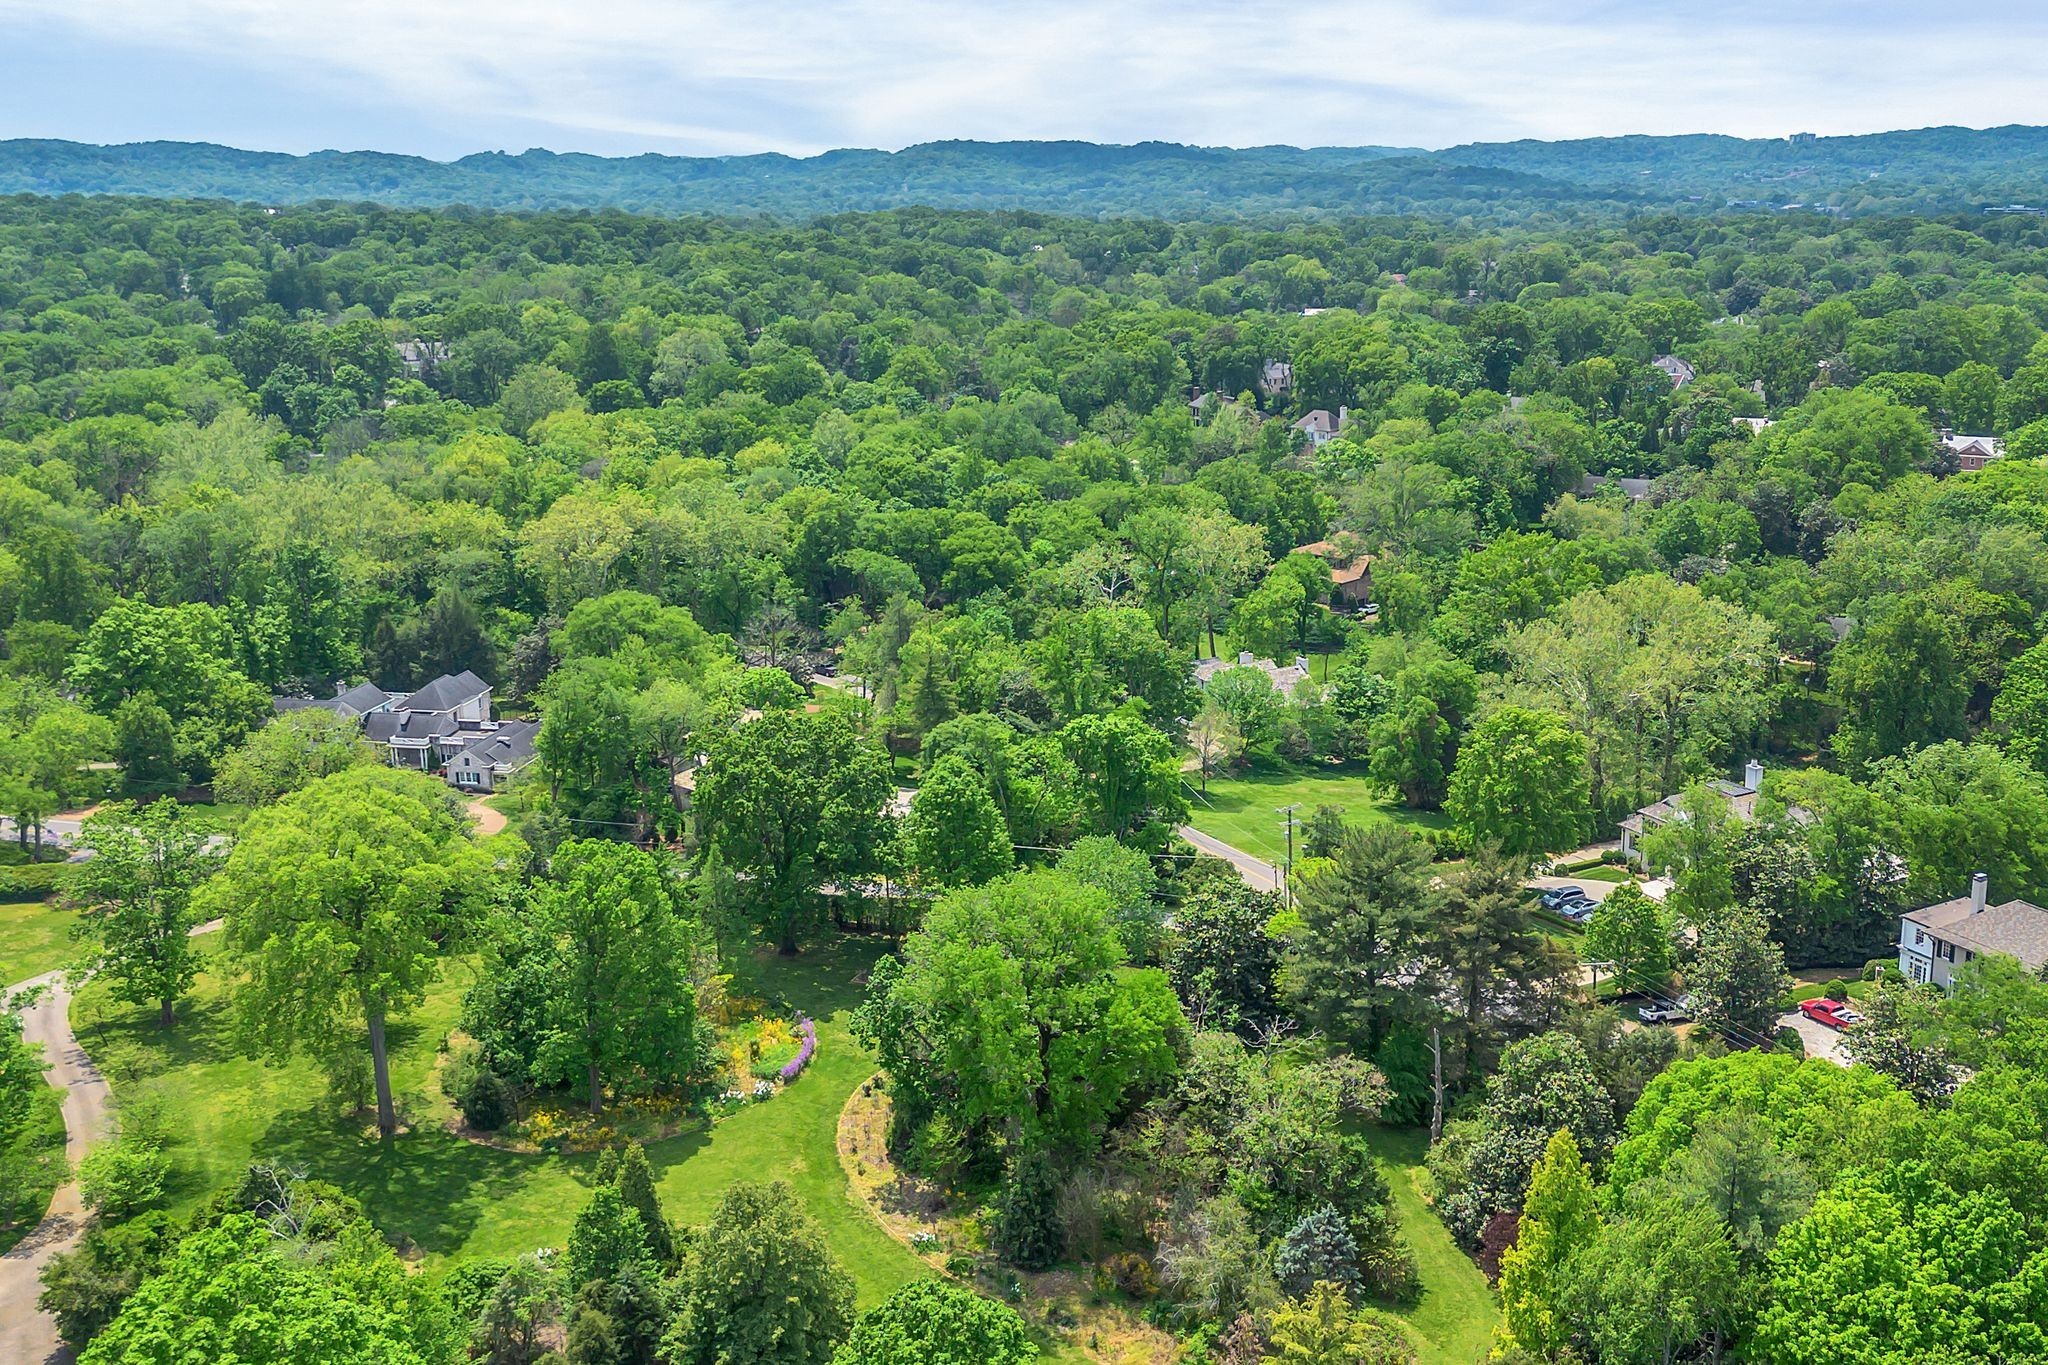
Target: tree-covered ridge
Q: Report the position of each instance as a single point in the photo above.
(1923, 170)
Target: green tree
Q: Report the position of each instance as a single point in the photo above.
(288, 753)
(2021, 709)
(135, 895)
(759, 1287)
(1878, 1249)
(1901, 683)
(1222, 961)
(954, 835)
(622, 946)
(607, 1239)
(1737, 977)
(1486, 945)
(1364, 919)
(235, 1291)
(1634, 934)
(1013, 1007)
(1129, 774)
(120, 1178)
(934, 1322)
(1322, 1328)
(1654, 1284)
(786, 802)
(1521, 783)
(1125, 875)
(339, 901)
(1560, 1219)
(1735, 1169)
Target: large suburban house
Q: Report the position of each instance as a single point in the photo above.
(444, 727)
(1740, 796)
(1284, 677)
(1320, 427)
(1350, 572)
(1935, 939)
(1679, 372)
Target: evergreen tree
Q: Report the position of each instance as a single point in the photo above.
(1318, 1248)
(1560, 1218)
(759, 1287)
(636, 1190)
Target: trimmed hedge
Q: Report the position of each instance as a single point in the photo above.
(32, 882)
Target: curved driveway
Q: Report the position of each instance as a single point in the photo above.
(27, 1334)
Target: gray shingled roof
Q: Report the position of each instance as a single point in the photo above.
(2017, 929)
(384, 727)
(510, 746)
(444, 693)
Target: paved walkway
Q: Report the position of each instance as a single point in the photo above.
(27, 1334)
(1257, 873)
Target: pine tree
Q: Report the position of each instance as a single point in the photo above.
(636, 1190)
(1318, 1248)
(1559, 1219)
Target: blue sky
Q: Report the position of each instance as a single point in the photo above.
(443, 77)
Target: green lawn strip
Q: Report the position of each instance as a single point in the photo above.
(451, 1199)
(38, 1161)
(35, 937)
(1243, 811)
(1808, 982)
(1454, 1318)
(1605, 872)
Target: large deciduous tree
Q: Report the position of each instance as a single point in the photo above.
(1013, 1014)
(136, 893)
(788, 801)
(339, 901)
(1521, 783)
(622, 952)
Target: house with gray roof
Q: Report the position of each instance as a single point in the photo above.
(492, 755)
(1936, 939)
(1284, 677)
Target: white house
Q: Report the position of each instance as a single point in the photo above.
(1320, 427)
(1935, 939)
(1740, 796)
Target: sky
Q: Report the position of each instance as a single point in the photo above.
(442, 78)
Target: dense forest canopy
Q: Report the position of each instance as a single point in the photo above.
(913, 579)
(1928, 170)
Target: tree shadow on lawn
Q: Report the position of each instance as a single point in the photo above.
(424, 1188)
(822, 980)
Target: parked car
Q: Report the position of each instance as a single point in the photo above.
(1833, 1013)
(1558, 895)
(1666, 1011)
(1578, 910)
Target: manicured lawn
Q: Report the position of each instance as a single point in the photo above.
(449, 1199)
(1244, 811)
(34, 938)
(39, 1154)
(1453, 1321)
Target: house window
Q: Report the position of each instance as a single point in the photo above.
(1920, 972)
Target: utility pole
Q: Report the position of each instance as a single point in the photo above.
(1436, 1082)
(1287, 881)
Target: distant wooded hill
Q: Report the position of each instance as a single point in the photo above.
(1929, 170)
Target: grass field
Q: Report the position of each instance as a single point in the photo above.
(39, 1156)
(1243, 811)
(1455, 1316)
(446, 1198)
(34, 938)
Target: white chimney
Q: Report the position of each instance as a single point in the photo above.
(1753, 775)
(1980, 887)
(1343, 415)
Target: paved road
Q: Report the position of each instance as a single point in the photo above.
(1258, 874)
(28, 1335)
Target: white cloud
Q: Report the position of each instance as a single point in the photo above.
(805, 75)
